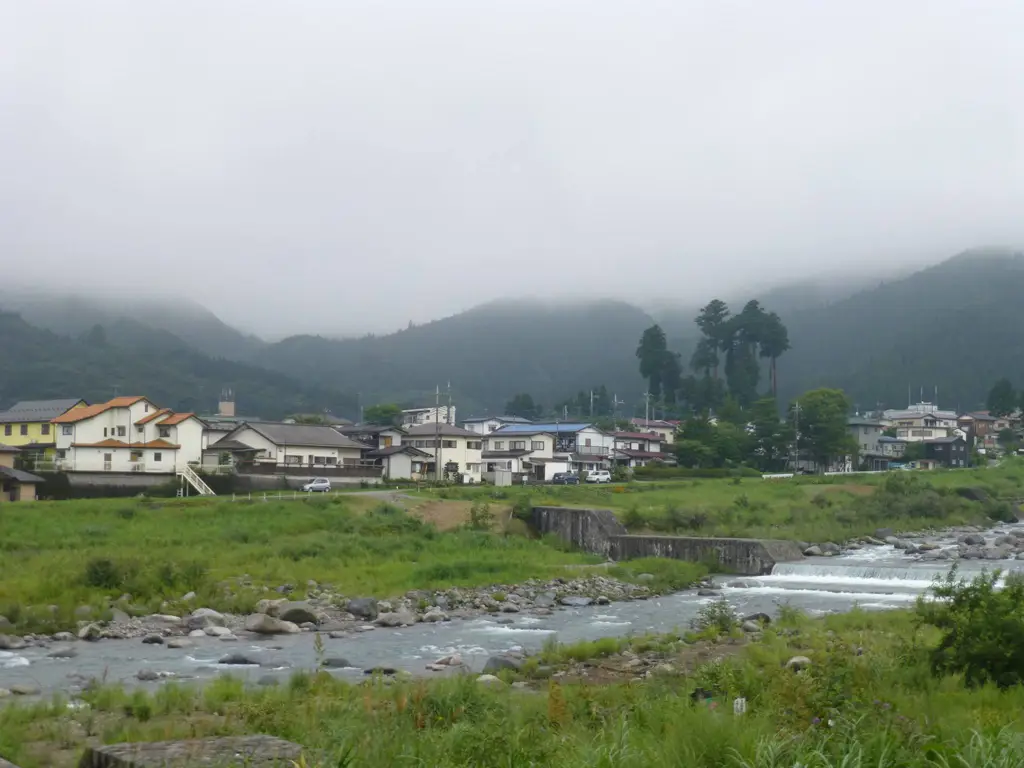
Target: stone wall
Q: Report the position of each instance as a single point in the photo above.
(588, 529)
(600, 532)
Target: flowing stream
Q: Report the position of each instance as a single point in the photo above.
(875, 578)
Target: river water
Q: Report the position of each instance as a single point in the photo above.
(874, 578)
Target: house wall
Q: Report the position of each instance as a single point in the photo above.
(866, 437)
(7, 459)
(280, 453)
(468, 459)
(541, 446)
(398, 466)
(27, 433)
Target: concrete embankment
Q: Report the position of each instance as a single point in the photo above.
(600, 532)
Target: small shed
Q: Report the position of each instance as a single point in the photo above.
(15, 484)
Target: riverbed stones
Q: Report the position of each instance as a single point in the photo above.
(179, 642)
(336, 662)
(270, 607)
(435, 614)
(362, 607)
(237, 659)
(813, 551)
(708, 593)
(25, 689)
(262, 624)
(490, 681)
(396, 619)
(202, 618)
(297, 613)
(64, 637)
(90, 632)
(229, 752)
(575, 601)
(750, 626)
(147, 675)
(153, 640)
(798, 663)
(218, 632)
(973, 539)
(830, 549)
(11, 643)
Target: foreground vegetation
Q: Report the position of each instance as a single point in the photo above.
(76, 553)
(815, 509)
(877, 689)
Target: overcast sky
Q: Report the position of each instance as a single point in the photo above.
(340, 166)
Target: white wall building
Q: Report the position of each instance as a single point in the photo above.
(127, 434)
(411, 417)
(487, 424)
(457, 446)
(305, 447)
(581, 446)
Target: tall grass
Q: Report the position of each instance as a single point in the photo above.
(75, 553)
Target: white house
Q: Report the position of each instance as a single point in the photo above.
(441, 413)
(402, 462)
(305, 447)
(484, 425)
(665, 429)
(456, 446)
(921, 421)
(530, 453)
(637, 449)
(127, 434)
(581, 446)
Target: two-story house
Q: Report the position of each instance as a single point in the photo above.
(581, 446)
(384, 448)
(638, 449)
(952, 452)
(525, 453)
(663, 428)
(269, 446)
(921, 421)
(443, 414)
(484, 425)
(27, 425)
(127, 434)
(458, 450)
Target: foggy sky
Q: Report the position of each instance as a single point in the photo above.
(340, 166)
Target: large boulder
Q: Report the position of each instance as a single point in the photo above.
(497, 663)
(830, 548)
(270, 607)
(335, 662)
(262, 624)
(11, 643)
(395, 619)
(238, 659)
(362, 607)
(813, 551)
(201, 618)
(90, 632)
(297, 613)
(435, 614)
(974, 539)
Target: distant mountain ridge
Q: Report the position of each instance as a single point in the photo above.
(953, 325)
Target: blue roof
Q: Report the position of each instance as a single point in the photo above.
(567, 426)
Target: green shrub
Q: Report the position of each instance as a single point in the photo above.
(717, 617)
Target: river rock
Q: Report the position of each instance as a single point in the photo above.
(872, 541)
(4, 693)
(153, 640)
(490, 681)
(11, 643)
(1018, 533)
(603, 600)
(197, 633)
(813, 551)
(996, 553)
(927, 546)
(883, 533)
(798, 663)
(5, 623)
(270, 607)
(24, 689)
(1006, 541)
(750, 626)
(972, 553)
(544, 600)
(336, 662)
(179, 642)
(297, 613)
(574, 601)
(396, 619)
(936, 554)
(188, 597)
(500, 662)
(90, 632)
(830, 548)
(892, 541)
(455, 660)
(380, 671)
(435, 614)
(238, 659)
(337, 635)
(217, 632)
(362, 607)
(974, 539)
(64, 652)
(262, 624)
(147, 675)
(64, 637)
(760, 618)
(201, 618)
(156, 618)
(228, 638)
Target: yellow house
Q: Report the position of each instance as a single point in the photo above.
(26, 425)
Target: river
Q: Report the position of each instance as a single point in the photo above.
(874, 578)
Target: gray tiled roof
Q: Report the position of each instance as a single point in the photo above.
(445, 430)
(303, 434)
(19, 476)
(37, 410)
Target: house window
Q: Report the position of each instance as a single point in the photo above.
(499, 444)
(332, 460)
(517, 445)
(8, 429)
(104, 431)
(292, 459)
(165, 431)
(44, 429)
(145, 407)
(67, 430)
(319, 459)
(140, 430)
(136, 456)
(120, 431)
(448, 443)
(157, 456)
(62, 454)
(474, 445)
(537, 445)
(24, 429)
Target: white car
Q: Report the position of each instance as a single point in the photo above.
(318, 485)
(599, 476)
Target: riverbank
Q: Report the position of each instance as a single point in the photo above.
(851, 690)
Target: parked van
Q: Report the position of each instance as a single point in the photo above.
(599, 476)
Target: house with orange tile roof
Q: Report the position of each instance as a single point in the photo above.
(127, 434)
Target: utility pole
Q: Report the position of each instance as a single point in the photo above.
(591, 404)
(796, 435)
(647, 409)
(437, 433)
(448, 416)
(615, 406)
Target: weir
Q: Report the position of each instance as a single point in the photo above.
(895, 572)
(600, 532)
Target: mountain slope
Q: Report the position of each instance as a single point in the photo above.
(955, 326)
(192, 323)
(489, 353)
(39, 364)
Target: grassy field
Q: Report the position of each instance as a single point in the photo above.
(805, 509)
(869, 698)
(73, 553)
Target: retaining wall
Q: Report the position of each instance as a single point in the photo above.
(600, 532)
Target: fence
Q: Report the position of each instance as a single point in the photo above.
(315, 470)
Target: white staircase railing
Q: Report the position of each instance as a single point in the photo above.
(189, 475)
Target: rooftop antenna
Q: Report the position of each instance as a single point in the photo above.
(591, 403)
(615, 406)
(936, 395)
(448, 415)
(437, 433)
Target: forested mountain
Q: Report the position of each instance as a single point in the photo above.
(548, 349)
(127, 319)
(956, 326)
(39, 364)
